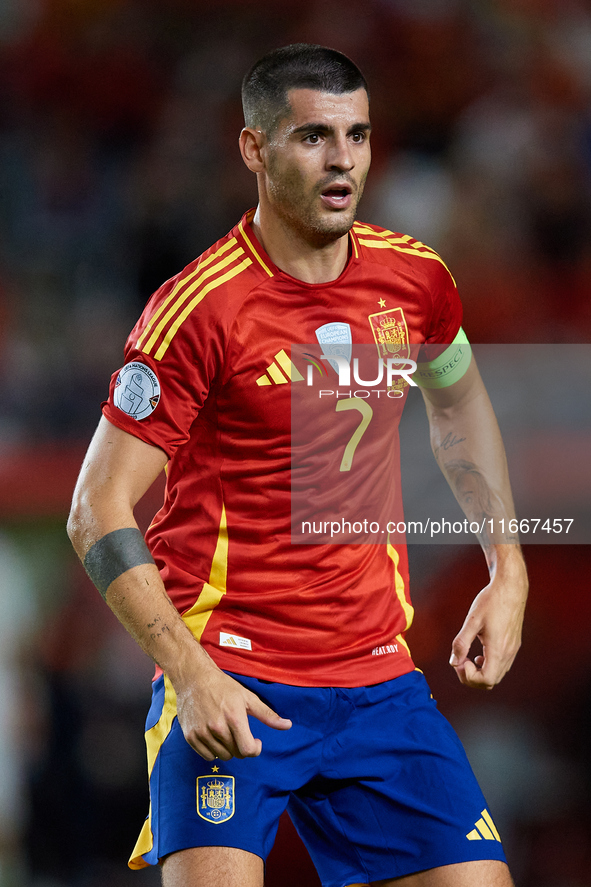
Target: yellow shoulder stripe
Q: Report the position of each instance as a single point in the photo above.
(185, 294)
(253, 250)
(392, 238)
(395, 241)
(213, 284)
(183, 282)
(388, 239)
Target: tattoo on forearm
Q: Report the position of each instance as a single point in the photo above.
(483, 505)
(449, 441)
(160, 629)
(114, 554)
(472, 492)
(470, 485)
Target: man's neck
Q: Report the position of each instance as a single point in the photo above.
(296, 256)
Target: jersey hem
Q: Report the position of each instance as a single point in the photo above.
(275, 676)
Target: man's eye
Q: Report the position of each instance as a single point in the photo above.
(313, 138)
(358, 136)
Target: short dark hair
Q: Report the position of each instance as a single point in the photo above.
(299, 66)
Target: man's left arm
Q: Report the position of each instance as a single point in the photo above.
(467, 445)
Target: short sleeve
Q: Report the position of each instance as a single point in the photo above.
(446, 315)
(168, 372)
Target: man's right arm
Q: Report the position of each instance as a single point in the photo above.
(212, 707)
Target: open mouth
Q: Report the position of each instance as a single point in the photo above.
(337, 195)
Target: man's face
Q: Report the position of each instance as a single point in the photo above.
(317, 161)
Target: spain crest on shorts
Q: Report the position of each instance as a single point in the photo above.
(215, 798)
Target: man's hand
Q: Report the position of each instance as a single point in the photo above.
(212, 708)
(467, 444)
(213, 714)
(495, 618)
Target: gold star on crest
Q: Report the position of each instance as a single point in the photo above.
(215, 769)
(382, 303)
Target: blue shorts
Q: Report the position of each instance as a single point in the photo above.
(374, 779)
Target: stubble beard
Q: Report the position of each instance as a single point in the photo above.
(303, 214)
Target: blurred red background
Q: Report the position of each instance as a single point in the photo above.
(118, 164)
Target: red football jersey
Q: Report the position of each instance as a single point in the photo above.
(232, 371)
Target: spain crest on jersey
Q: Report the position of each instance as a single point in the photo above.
(215, 798)
(390, 332)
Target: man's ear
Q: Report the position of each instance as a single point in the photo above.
(251, 145)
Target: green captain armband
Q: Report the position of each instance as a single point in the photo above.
(115, 554)
(448, 368)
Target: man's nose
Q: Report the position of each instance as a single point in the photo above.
(340, 155)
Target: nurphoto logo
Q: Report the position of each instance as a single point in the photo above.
(399, 371)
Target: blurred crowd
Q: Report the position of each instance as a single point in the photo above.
(118, 165)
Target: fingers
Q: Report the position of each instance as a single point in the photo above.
(472, 674)
(225, 737)
(244, 744)
(223, 729)
(266, 715)
(495, 618)
(226, 746)
(483, 672)
(460, 648)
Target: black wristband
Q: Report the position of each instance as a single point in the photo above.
(114, 554)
